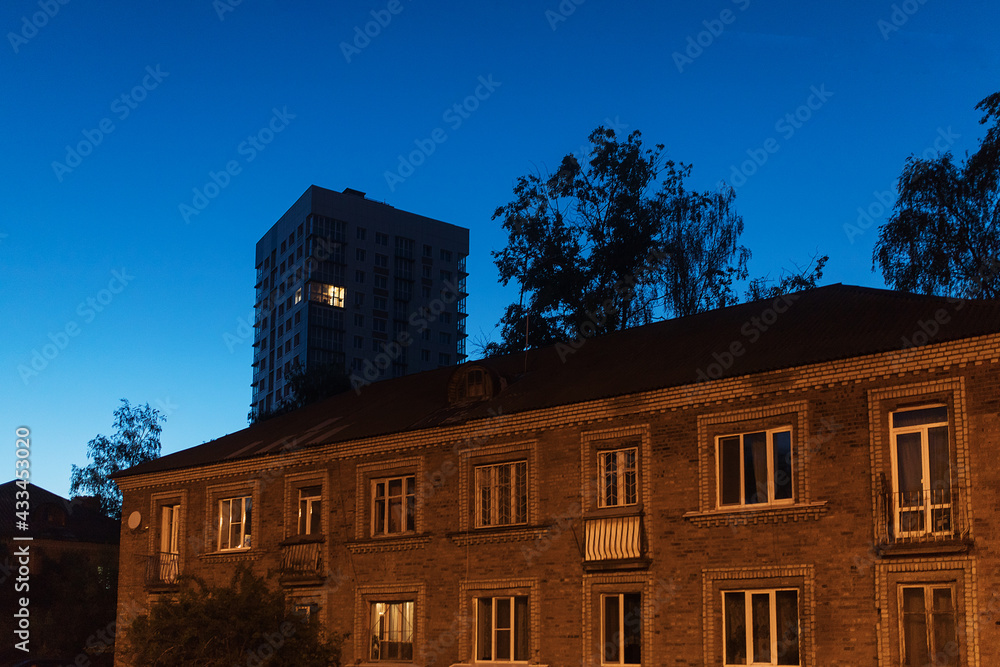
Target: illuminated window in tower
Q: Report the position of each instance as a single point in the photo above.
(331, 295)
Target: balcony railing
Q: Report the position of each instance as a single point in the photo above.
(162, 569)
(915, 517)
(614, 538)
(302, 560)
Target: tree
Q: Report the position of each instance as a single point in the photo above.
(788, 281)
(617, 243)
(308, 386)
(943, 236)
(243, 623)
(136, 439)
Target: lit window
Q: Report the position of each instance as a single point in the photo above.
(921, 477)
(393, 505)
(618, 478)
(502, 628)
(502, 494)
(298, 295)
(310, 510)
(234, 523)
(168, 561)
(755, 468)
(621, 629)
(761, 627)
(392, 630)
(331, 295)
(927, 626)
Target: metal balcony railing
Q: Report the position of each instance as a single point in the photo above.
(162, 568)
(919, 516)
(613, 538)
(302, 559)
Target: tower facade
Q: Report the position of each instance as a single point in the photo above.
(356, 283)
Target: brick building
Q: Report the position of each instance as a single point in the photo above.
(804, 481)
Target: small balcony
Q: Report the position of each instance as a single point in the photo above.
(162, 570)
(920, 521)
(614, 543)
(302, 561)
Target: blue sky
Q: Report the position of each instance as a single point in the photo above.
(117, 116)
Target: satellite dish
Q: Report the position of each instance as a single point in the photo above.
(134, 519)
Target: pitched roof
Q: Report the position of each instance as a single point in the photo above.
(818, 325)
(55, 518)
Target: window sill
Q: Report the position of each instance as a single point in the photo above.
(388, 544)
(233, 556)
(929, 548)
(756, 515)
(498, 535)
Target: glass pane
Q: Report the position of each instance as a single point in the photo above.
(411, 513)
(395, 514)
(484, 629)
(379, 517)
(905, 418)
(909, 467)
(631, 482)
(521, 490)
(760, 604)
(503, 624)
(730, 475)
(224, 524)
(736, 632)
(610, 479)
(940, 468)
(915, 649)
(303, 515)
(395, 487)
(787, 614)
(633, 628)
(315, 515)
(377, 630)
(503, 613)
(612, 630)
(503, 494)
(755, 468)
(521, 635)
(782, 464)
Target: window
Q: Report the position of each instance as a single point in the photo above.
(295, 341)
(359, 320)
(443, 359)
(502, 494)
(425, 355)
(502, 628)
(393, 505)
(428, 251)
(234, 523)
(359, 276)
(921, 480)
(618, 478)
(361, 233)
(378, 324)
(761, 627)
(382, 260)
(381, 282)
(446, 255)
(426, 271)
(381, 239)
(310, 510)
(444, 338)
(298, 295)
(755, 468)
(927, 626)
(359, 254)
(359, 343)
(331, 295)
(380, 303)
(621, 629)
(392, 630)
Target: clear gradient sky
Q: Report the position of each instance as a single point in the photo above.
(139, 103)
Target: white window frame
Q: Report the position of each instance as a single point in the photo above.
(928, 504)
(487, 476)
(932, 650)
(494, 629)
(621, 477)
(621, 625)
(313, 506)
(403, 607)
(408, 509)
(771, 501)
(246, 526)
(748, 594)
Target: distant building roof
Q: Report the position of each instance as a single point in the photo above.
(818, 325)
(53, 517)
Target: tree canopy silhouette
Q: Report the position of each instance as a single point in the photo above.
(943, 236)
